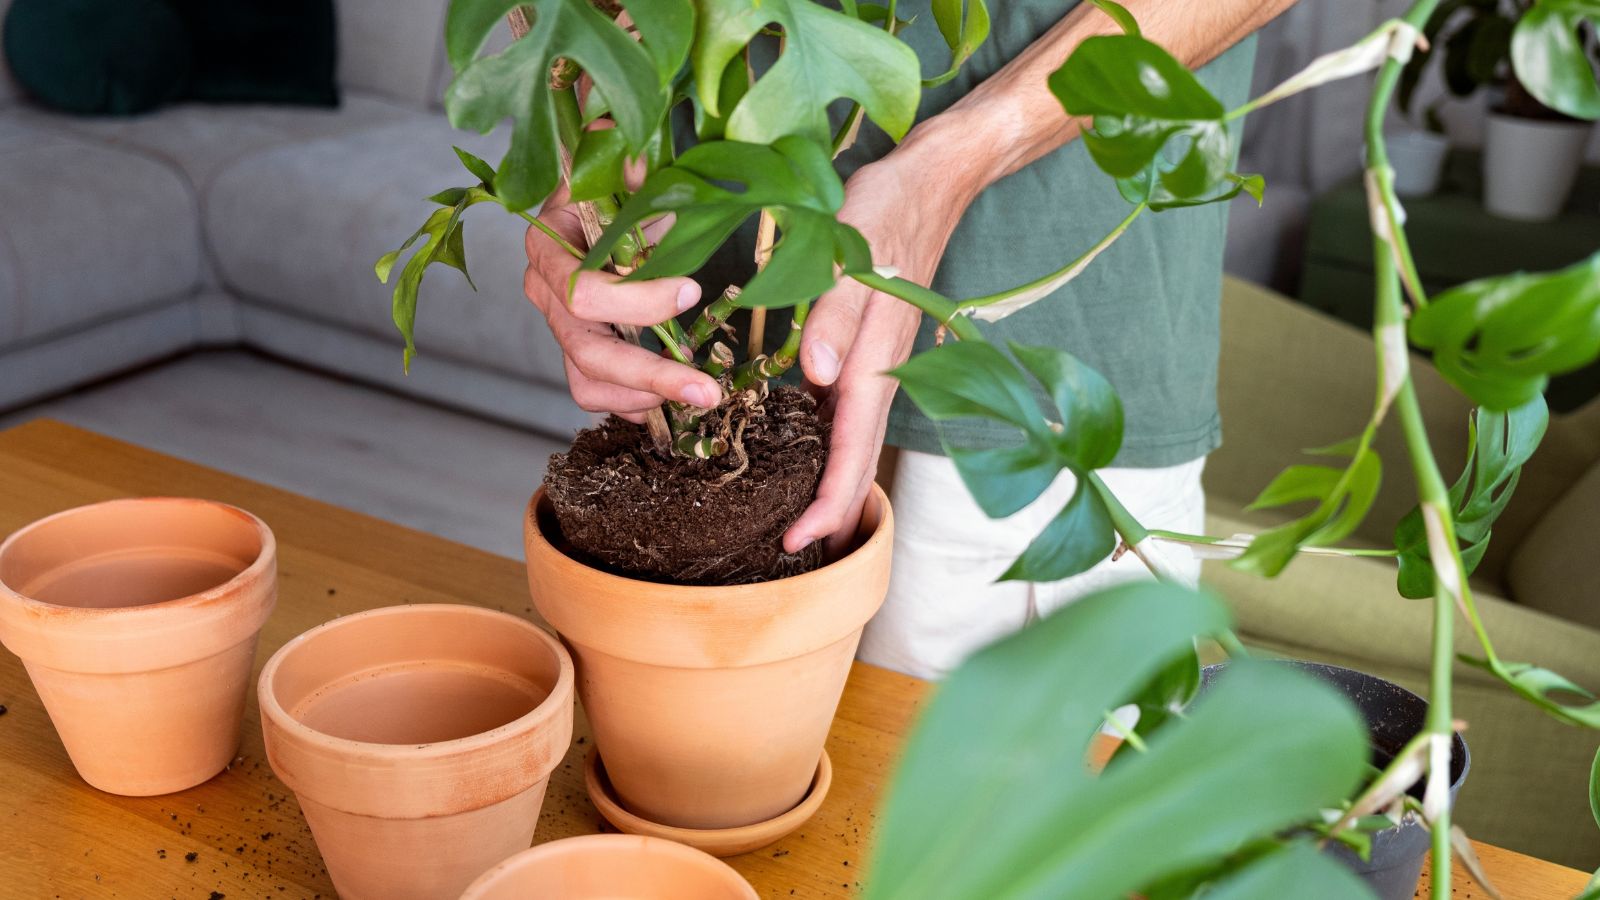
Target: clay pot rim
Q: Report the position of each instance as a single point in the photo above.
(539, 852)
(534, 532)
(551, 707)
(720, 842)
(265, 558)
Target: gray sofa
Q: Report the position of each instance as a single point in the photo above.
(125, 240)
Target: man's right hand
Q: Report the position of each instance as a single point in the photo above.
(604, 372)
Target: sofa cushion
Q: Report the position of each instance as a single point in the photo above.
(75, 55)
(90, 232)
(299, 227)
(392, 47)
(1553, 568)
(262, 51)
(202, 139)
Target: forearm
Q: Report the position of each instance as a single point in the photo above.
(1012, 119)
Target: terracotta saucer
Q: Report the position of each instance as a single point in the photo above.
(722, 842)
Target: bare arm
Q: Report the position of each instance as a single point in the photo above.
(1007, 122)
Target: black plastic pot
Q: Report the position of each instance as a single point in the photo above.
(1394, 716)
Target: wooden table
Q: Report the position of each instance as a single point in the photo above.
(240, 835)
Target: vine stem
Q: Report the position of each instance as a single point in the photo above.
(1449, 574)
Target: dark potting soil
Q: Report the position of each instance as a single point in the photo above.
(625, 508)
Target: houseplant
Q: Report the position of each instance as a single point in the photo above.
(1524, 51)
(1145, 106)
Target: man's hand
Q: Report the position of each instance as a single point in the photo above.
(604, 372)
(907, 211)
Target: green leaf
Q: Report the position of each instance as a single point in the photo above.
(827, 55)
(1089, 430)
(1344, 496)
(1148, 106)
(597, 166)
(1077, 538)
(734, 83)
(1594, 788)
(479, 169)
(964, 25)
(1120, 15)
(515, 84)
(1126, 75)
(1299, 871)
(1498, 445)
(973, 379)
(666, 28)
(442, 243)
(1500, 339)
(1549, 56)
(992, 799)
(1544, 688)
(793, 178)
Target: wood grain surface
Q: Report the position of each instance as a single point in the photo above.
(240, 835)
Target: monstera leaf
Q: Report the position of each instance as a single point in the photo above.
(827, 55)
(993, 799)
(1551, 59)
(1343, 497)
(1498, 446)
(973, 379)
(1500, 339)
(443, 241)
(1143, 102)
(515, 83)
(794, 179)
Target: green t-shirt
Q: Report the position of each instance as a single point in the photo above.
(1144, 314)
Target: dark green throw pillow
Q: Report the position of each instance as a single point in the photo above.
(262, 51)
(97, 56)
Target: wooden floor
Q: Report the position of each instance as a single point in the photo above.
(446, 473)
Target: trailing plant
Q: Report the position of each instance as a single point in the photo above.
(1477, 42)
(1282, 749)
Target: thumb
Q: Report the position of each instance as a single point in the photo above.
(831, 331)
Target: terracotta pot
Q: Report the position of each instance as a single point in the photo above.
(137, 621)
(612, 866)
(418, 741)
(710, 705)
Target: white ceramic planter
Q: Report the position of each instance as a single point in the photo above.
(1418, 159)
(1529, 166)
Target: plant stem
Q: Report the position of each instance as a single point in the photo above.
(713, 317)
(1056, 279)
(1230, 543)
(941, 308)
(1431, 493)
(551, 233)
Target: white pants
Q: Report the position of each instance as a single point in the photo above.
(943, 601)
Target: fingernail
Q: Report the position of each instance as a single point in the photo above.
(824, 362)
(702, 395)
(688, 296)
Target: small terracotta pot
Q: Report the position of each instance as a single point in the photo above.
(418, 741)
(137, 621)
(622, 866)
(710, 705)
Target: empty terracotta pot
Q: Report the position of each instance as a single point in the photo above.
(418, 741)
(710, 705)
(613, 867)
(137, 621)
